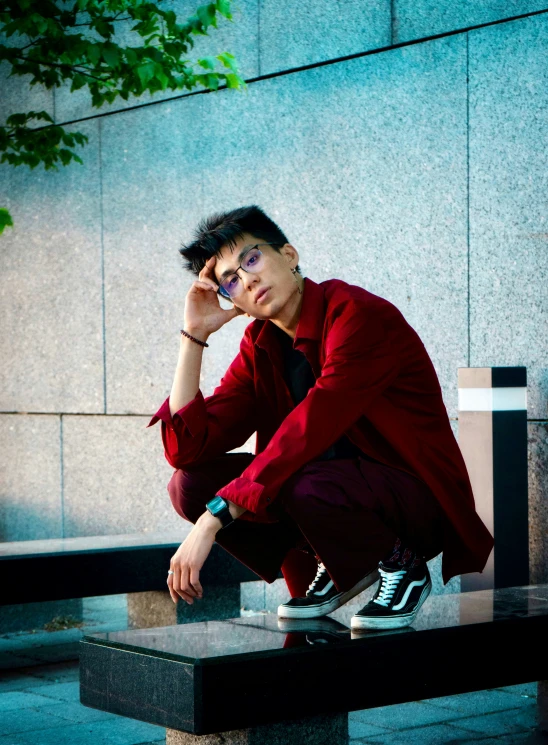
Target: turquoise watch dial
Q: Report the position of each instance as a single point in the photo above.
(219, 508)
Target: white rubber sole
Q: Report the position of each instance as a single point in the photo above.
(322, 609)
(395, 622)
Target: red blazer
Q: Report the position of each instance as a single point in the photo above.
(374, 382)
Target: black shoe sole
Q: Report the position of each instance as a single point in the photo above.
(390, 622)
(328, 606)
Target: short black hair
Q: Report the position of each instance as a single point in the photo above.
(223, 228)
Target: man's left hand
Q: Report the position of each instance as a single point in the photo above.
(189, 558)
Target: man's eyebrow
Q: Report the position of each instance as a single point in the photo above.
(239, 258)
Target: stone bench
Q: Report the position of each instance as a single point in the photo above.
(265, 680)
(136, 564)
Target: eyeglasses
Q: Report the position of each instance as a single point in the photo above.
(252, 261)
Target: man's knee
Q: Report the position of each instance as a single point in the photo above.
(185, 489)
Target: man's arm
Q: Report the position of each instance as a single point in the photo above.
(194, 428)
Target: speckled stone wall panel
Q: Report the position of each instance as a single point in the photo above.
(538, 501)
(364, 184)
(416, 20)
(239, 37)
(115, 477)
(508, 187)
(151, 193)
(30, 477)
(51, 292)
(295, 33)
(17, 96)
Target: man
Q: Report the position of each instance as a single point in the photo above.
(356, 473)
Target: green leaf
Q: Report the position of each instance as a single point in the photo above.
(5, 219)
(232, 81)
(228, 60)
(223, 7)
(207, 62)
(110, 54)
(145, 72)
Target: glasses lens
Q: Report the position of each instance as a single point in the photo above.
(253, 260)
(230, 286)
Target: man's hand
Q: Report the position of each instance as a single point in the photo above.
(189, 558)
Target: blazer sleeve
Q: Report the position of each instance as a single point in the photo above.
(360, 363)
(207, 427)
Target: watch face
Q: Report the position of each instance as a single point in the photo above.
(216, 504)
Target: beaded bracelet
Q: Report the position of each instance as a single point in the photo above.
(202, 343)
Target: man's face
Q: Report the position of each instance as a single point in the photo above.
(274, 275)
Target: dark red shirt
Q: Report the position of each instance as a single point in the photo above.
(375, 383)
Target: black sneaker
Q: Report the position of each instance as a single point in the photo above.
(322, 597)
(400, 594)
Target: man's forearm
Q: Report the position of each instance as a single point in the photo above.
(187, 374)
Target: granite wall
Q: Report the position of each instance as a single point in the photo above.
(400, 145)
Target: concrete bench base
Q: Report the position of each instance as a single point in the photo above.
(328, 729)
(147, 610)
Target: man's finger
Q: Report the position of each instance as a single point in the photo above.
(172, 592)
(207, 270)
(195, 582)
(185, 582)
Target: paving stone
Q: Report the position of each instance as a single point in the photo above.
(357, 728)
(477, 702)
(118, 731)
(503, 722)
(15, 700)
(68, 691)
(25, 720)
(441, 734)
(404, 716)
(522, 689)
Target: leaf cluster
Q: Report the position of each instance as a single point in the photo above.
(115, 48)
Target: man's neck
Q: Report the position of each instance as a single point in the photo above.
(288, 318)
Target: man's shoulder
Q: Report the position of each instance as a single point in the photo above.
(340, 295)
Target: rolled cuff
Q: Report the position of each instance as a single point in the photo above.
(193, 415)
(247, 494)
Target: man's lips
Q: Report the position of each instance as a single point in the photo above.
(261, 294)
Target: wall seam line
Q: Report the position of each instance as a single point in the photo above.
(103, 303)
(259, 37)
(62, 475)
(468, 190)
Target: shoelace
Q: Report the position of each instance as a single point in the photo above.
(317, 578)
(389, 584)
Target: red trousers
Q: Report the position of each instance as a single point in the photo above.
(347, 512)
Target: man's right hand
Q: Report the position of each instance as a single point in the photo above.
(203, 312)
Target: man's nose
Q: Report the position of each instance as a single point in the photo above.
(249, 279)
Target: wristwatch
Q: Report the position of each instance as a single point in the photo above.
(219, 508)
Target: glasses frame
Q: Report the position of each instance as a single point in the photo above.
(256, 245)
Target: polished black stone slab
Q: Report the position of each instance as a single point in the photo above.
(103, 565)
(222, 675)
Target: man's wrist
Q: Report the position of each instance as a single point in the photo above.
(199, 333)
(209, 522)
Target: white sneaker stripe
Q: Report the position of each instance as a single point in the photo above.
(325, 590)
(403, 601)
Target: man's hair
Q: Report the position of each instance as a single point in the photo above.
(223, 228)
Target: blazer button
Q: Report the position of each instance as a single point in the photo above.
(268, 499)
